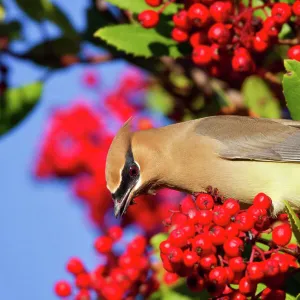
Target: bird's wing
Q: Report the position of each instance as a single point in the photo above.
(245, 138)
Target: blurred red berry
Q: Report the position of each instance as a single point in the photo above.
(63, 288)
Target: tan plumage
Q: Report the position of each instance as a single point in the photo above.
(241, 156)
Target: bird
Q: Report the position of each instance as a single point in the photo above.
(241, 156)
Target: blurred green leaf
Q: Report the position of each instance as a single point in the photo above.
(18, 102)
(159, 100)
(157, 239)
(291, 87)
(219, 95)
(2, 12)
(11, 29)
(40, 10)
(54, 14)
(285, 31)
(294, 221)
(53, 52)
(262, 246)
(137, 6)
(259, 98)
(148, 42)
(260, 288)
(33, 8)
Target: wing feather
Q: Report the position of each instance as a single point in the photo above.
(247, 138)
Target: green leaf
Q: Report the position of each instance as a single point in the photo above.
(54, 14)
(259, 98)
(260, 288)
(52, 52)
(138, 41)
(2, 13)
(294, 221)
(159, 100)
(262, 246)
(11, 29)
(18, 102)
(219, 95)
(137, 6)
(33, 8)
(298, 297)
(291, 87)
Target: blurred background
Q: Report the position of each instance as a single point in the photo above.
(76, 91)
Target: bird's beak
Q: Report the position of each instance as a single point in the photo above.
(121, 204)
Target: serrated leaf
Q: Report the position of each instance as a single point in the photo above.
(51, 53)
(259, 98)
(294, 221)
(159, 100)
(18, 102)
(291, 87)
(137, 6)
(138, 41)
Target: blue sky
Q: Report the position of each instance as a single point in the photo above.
(41, 225)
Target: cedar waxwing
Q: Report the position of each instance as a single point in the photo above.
(241, 156)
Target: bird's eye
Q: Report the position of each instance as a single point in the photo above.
(133, 171)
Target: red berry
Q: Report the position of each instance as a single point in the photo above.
(165, 247)
(181, 20)
(271, 27)
(198, 14)
(103, 244)
(202, 244)
(271, 267)
(75, 266)
(83, 281)
(205, 201)
(246, 286)
(175, 255)
(83, 295)
(189, 230)
(170, 278)
(269, 294)
(179, 219)
(294, 52)
(281, 12)
(255, 271)
(215, 52)
(219, 34)
(221, 10)
(137, 246)
(282, 234)
(282, 260)
(179, 35)
(233, 247)
(238, 296)
(230, 275)
(218, 275)
(205, 217)
(190, 258)
(261, 200)
(186, 204)
(296, 8)
(195, 283)
(241, 62)
(178, 238)
(196, 39)
(256, 212)
(237, 264)
(220, 216)
(201, 55)
(260, 41)
(232, 206)
(63, 288)
(217, 235)
(148, 18)
(154, 3)
(208, 262)
(232, 230)
(245, 221)
(115, 232)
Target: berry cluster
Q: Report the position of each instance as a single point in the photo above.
(77, 140)
(228, 36)
(208, 241)
(126, 275)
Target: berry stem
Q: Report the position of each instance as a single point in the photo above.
(165, 6)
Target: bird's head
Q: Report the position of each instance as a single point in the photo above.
(122, 170)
